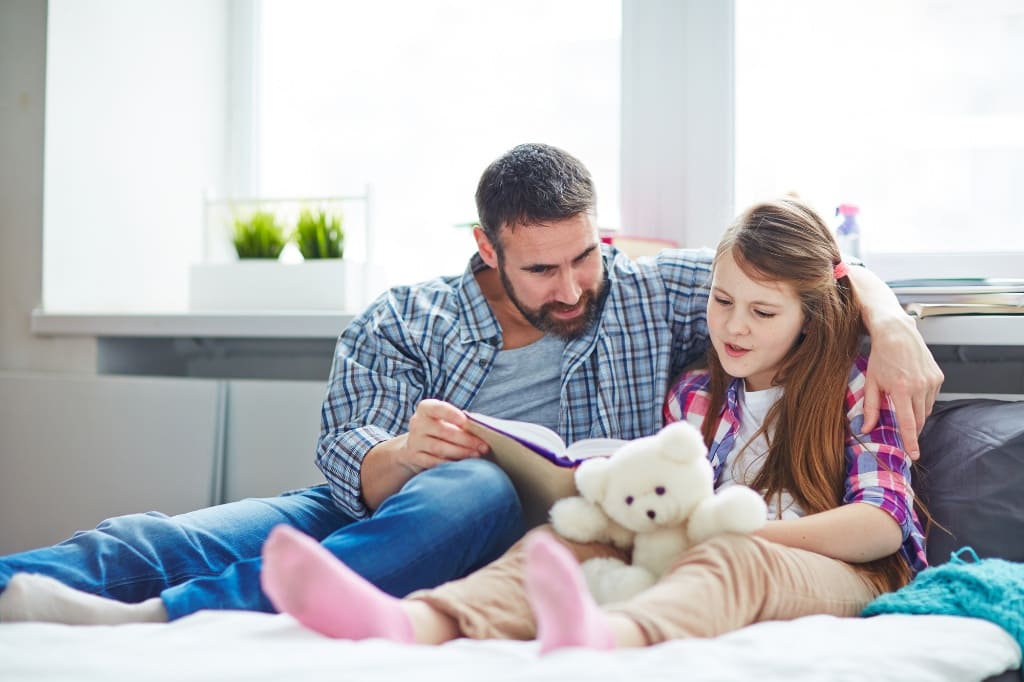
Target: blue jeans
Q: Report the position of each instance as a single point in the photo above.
(444, 523)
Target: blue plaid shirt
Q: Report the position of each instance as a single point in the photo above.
(439, 339)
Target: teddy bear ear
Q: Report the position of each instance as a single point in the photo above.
(591, 477)
(681, 441)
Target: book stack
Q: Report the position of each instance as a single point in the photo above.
(960, 296)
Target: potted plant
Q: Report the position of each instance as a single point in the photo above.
(259, 236)
(319, 235)
(260, 280)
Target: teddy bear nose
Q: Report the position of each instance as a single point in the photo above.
(651, 513)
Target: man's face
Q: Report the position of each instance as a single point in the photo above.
(553, 273)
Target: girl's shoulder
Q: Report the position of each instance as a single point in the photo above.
(857, 380)
(688, 396)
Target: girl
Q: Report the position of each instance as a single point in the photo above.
(781, 408)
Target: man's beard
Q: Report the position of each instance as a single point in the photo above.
(542, 319)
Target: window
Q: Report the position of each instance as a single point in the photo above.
(913, 110)
(414, 99)
(285, 99)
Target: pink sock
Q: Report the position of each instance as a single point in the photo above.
(566, 613)
(303, 579)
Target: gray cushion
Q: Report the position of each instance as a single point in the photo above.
(971, 477)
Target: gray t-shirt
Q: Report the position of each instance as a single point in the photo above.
(525, 384)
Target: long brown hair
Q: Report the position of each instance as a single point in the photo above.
(807, 429)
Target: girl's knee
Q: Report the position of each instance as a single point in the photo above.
(735, 548)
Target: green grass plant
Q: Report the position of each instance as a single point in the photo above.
(259, 236)
(319, 235)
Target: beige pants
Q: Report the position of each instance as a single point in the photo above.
(716, 587)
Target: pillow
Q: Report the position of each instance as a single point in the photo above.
(971, 478)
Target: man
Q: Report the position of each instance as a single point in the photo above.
(546, 325)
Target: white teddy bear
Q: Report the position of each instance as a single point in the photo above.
(655, 495)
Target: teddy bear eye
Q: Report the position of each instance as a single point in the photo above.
(660, 490)
(629, 499)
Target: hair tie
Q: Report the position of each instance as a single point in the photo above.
(840, 270)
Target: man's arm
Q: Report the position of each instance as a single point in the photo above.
(377, 432)
(436, 435)
(900, 363)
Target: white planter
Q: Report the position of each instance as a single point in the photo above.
(332, 284)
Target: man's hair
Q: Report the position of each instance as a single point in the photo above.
(532, 183)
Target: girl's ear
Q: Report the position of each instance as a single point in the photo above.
(486, 249)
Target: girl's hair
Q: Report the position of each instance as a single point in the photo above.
(785, 241)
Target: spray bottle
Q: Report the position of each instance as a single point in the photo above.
(848, 232)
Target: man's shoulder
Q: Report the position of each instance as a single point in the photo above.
(435, 291)
(671, 268)
(423, 308)
(671, 287)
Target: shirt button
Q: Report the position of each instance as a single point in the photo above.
(482, 362)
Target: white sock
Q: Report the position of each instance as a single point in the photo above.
(32, 597)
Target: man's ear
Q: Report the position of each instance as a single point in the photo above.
(486, 249)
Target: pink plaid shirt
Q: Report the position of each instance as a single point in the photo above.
(877, 468)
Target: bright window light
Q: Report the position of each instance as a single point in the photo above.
(414, 99)
(913, 110)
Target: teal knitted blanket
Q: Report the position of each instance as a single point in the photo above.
(992, 589)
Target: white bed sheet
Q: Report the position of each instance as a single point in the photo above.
(232, 645)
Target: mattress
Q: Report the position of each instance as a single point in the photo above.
(234, 645)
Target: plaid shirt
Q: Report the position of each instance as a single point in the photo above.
(439, 339)
(877, 468)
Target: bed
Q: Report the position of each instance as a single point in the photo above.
(972, 478)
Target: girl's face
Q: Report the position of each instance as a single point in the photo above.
(753, 324)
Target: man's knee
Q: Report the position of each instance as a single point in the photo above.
(131, 525)
(476, 483)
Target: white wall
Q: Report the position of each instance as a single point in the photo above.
(677, 119)
(136, 118)
(22, 91)
(78, 449)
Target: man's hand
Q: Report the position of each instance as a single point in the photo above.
(902, 366)
(437, 434)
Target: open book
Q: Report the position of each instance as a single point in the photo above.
(539, 463)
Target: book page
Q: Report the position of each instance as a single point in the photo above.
(995, 298)
(921, 310)
(956, 285)
(536, 460)
(593, 447)
(524, 432)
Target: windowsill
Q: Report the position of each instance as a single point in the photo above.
(967, 330)
(262, 325)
